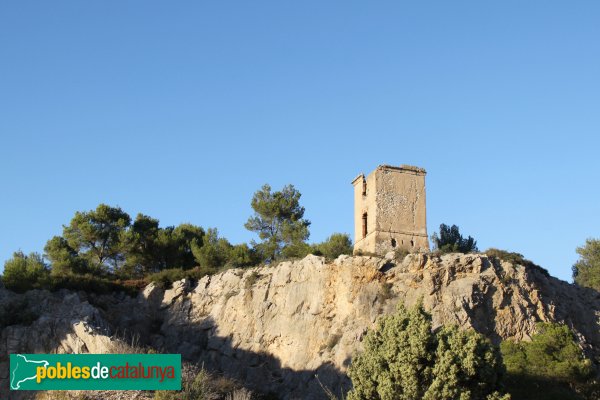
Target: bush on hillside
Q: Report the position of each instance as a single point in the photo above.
(296, 250)
(514, 258)
(552, 358)
(403, 359)
(334, 246)
(90, 283)
(166, 277)
(25, 272)
(8, 316)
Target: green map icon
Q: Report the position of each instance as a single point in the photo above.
(23, 369)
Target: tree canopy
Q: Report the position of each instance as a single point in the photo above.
(142, 246)
(278, 220)
(97, 236)
(334, 246)
(63, 258)
(104, 248)
(586, 271)
(450, 240)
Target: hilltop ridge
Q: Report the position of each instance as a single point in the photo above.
(276, 328)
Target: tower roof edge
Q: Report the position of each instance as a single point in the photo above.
(403, 167)
(361, 175)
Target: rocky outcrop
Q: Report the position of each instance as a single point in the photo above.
(292, 329)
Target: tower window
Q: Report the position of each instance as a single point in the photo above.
(364, 225)
(393, 242)
(412, 243)
(364, 193)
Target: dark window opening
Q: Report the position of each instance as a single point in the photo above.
(364, 187)
(412, 243)
(393, 242)
(364, 226)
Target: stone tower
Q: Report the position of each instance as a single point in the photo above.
(389, 210)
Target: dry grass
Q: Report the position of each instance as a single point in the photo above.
(122, 343)
(239, 394)
(199, 384)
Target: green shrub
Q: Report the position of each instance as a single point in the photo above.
(166, 277)
(24, 272)
(88, 283)
(334, 246)
(217, 252)
(214, 251)
(241, 256)
(403, 359)
(552, 360)
(25, 316)
(295, 250)
(514, 258)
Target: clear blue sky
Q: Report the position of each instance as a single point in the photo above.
(181, 110)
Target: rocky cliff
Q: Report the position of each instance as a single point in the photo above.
(291, 329)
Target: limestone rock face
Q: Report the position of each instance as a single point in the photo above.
(62, 322)
(291, 329)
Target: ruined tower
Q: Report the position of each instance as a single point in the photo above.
(389, 210)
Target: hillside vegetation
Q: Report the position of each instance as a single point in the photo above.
(498, 326)
(105, 249)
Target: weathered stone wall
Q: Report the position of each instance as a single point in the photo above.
(396, 207)
(365, 204)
